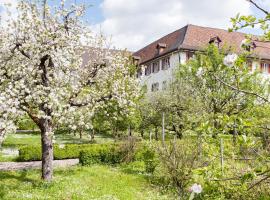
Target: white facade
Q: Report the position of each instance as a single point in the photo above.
(159, 80)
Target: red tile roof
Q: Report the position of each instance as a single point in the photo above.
(192, 37)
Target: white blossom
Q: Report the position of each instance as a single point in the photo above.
(230, 59)
(196, 188)
(200, 72)
(43, 73)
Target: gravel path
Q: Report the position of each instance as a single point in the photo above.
(9, 166)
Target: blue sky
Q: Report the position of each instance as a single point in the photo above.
(133, 24)
(94, 12)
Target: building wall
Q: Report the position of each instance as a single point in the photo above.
(162, 75)
(175, 59)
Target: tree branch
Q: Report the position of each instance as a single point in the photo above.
(243, 91)
(259, 7)
(257, 183)
(17, 46)
(106, 98)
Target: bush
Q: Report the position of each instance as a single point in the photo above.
(108, 154)
(148, 156)
(68, 151)
(29, 153)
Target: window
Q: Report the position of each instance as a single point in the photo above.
(155, 67)
(155, 87)
(148, 70)
(265, 68)
(164, 85)
(249, 65)
(165, 63)
(190, 55)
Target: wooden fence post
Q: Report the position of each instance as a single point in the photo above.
(221, 155)
(163, 129)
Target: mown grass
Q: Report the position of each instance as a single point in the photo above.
(14, 140)
(78, 183)
(22, 139)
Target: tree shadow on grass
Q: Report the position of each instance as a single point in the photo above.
(21, 177)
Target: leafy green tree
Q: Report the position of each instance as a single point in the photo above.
(206, 74)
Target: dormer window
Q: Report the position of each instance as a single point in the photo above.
(215, 40)
(136, 60)
(161, 47)
(248, 45)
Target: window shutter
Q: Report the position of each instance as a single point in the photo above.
(268, 66)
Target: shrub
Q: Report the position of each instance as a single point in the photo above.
(68, 151)
(148, 156)
(29, 153)
(108, 154)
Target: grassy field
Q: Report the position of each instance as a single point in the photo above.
(78, 183)
(13, 141)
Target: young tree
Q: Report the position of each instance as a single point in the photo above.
(205, 74)
(43, 72)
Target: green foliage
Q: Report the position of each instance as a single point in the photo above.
(250, 21)
(106, 154)
(206, 77)
(150, 160)
(26, 123)
(68, 151)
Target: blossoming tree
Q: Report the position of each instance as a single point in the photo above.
(53, 68)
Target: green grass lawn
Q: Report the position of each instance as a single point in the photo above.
(78, 183)
(19, 139)
(14, 140)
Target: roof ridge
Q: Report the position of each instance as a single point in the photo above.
(223, 29)
(171, 33)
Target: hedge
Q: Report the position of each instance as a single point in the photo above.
(68, 151)
(88, 154)
(108, 154)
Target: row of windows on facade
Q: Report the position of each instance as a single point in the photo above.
(155, 67)
(155, 86)
(265, 67)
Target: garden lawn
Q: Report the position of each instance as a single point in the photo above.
(15, 140)
(78, 183)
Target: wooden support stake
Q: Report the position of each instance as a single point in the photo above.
(163, 129)
(221, 155)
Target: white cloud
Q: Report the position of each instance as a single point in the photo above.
(134, 23)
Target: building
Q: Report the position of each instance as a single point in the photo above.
(161, 57)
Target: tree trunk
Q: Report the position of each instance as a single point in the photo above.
(1, 137)
(129, 131)
(156, 133)
(92, 134)
(142, 133)
(47, 149)
(80, 134)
